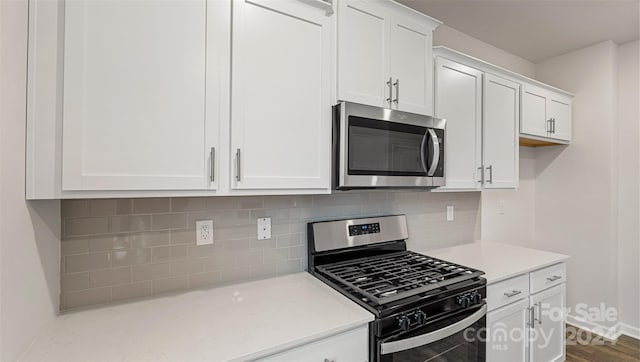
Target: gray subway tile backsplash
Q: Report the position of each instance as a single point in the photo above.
(129, 248)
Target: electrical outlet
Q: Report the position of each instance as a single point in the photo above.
(204, 232)
(449, 213)
(264, 228)
(501, 207)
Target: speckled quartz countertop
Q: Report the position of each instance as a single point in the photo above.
(232, 323)
(498, 261)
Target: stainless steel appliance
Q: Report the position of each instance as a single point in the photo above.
(377, 147)
(426, 309)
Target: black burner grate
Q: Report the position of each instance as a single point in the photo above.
(395, 276)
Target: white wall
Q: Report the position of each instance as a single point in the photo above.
(628, 187)
(467, 44)
(576, 189)
(29, 232)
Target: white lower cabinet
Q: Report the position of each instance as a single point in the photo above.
(523, 327)
(351, 346)
(507, 333)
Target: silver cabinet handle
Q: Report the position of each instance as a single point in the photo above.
(532, 322)
(540, 313)
(512, 293)
(329, 360)
(481, 168)
(548, 125)
(553, 125)
(328, 4)
(490, 168)
(390, 85)
(213, 163)
(238, 164)
(554, 278)
(397, 85)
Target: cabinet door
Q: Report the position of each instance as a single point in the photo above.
(547, 337)
(458, 99)
(534, 111)
(500, 132)
(363, 48)
(560, 112)
(411, 66)
(281, 95)
(507, 333)
(134, 95)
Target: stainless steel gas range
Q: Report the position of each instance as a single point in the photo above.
(426, 309)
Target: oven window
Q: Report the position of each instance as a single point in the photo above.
(467, 345)
(385, 148)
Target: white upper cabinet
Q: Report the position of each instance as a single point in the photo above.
(501, 100)
(363, 48)
(134, 112)
(458, 98)
(385, 55)
(281, 95)
(546, 114)
(411, 65)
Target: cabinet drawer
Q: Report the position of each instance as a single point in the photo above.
(507, 291)
(548, 277)
(351, 346)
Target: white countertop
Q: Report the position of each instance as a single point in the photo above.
(498, 261)
(231, 323)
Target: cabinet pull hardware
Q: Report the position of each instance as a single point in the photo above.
(329, 360)
(512, 293)
(490, 168)
(532, 322)
(397, 85)
(554, 278)
(390, 85)
(328, 4)
(540, 313)
(213, 163)
(238, 164)
(548, 125)
(481, 168)
(553, 125)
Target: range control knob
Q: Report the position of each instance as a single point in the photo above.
(477, 297)
(463, 301)
(404, 323)
(421, 317)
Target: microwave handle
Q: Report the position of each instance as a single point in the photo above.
(424, 339)
(436, 153)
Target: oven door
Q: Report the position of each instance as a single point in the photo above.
(385, 148)
(453, 339)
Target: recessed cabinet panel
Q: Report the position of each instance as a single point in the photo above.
(534, 112)
(560, 112)
(500, 132)
(363, 46)
(507, 333)
(410, 64)
(459, 101)
(134, 96)
(547, 342)
(281, 105)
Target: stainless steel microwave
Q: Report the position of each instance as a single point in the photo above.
(382, 148)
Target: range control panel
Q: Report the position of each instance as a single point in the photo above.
(363, 229)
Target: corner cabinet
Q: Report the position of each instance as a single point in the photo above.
(482, 112)
(526, 318)
(134, 99)
(281, 94)
(385, 55)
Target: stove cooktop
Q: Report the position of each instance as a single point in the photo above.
(395, 276)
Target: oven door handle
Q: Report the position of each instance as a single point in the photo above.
(424, 339)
